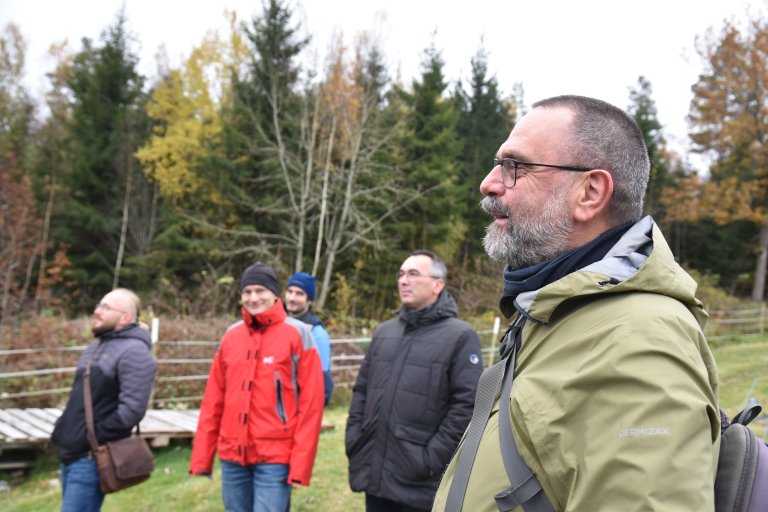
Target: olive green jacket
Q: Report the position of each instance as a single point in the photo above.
(614, 404)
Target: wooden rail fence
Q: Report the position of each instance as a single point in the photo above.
(31, 398)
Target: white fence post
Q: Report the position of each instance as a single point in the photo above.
(155, 332)
(496, 326)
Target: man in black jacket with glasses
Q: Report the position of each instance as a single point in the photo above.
(414, 393)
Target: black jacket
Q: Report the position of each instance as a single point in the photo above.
(122, 374)
(411, 403)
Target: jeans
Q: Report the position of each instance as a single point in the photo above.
(80, 486)
(256, 488)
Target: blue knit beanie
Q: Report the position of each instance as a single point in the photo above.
(304, 281)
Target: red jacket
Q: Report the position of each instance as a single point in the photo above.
(263, 402)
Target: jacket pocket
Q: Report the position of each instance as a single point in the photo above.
(437, 378)
(279, 403)
(408, 455)
(359, 453)
(362, 437)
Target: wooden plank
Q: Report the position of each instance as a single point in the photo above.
(183, 421)
(155, 424)
(33, 425)
(10, 433)
(51, 414)
(28, 416)
(32, 431)
(192, 414)
(187, 420)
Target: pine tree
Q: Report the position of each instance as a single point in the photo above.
(431, 155)
(106, 119)
(643, 109)
(484, 124)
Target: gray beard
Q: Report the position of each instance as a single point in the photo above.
(532, 235)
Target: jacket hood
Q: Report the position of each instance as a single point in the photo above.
(444, 307)
(641, 261)
(132, 331)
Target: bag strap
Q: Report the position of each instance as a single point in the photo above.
(487, 391)
(88, 403)
(525, 490)
(750, 412)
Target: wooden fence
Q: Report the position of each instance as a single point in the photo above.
(183, 365)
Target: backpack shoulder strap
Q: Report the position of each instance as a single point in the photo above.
(750, 412)
(525, 489)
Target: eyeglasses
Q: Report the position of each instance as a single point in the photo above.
(413, 274)
(107, 308)
(510, 166)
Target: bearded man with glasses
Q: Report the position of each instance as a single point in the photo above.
(606, 399)
(413, 395)
(122, 371)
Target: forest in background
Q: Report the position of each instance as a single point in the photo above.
(171, 185)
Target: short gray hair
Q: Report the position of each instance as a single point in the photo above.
(605, 137)
(438, 267)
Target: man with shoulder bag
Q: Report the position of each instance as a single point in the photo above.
(110, 392)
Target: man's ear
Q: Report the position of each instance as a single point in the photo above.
(593, 194)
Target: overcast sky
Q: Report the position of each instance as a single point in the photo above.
(591, 47)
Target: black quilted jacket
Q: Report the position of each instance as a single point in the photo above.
(411, 403)
(122, 374)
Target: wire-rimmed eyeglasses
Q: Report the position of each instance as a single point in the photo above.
(413, 274)
(510, 166)
(107, 308)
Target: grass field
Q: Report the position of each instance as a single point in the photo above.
(743, 370)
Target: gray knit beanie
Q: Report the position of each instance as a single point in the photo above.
(261, 274)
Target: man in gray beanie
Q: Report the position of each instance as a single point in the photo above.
(260, 274)
(263, 403)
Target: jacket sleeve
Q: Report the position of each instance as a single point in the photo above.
(209, 420)
(357, 405)
(136, 372)
(464, 373)
(323, 342)
(310, 413)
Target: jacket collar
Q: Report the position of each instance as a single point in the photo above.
(444, 307)
(308, 317)
(273, 315)
(131, 331)
(640, 261)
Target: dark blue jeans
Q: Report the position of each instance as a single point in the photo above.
(80, 486)
(256, 488)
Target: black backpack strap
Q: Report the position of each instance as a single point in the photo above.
(525, 490)
(750, 412)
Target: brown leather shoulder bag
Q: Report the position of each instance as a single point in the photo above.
(122, 463)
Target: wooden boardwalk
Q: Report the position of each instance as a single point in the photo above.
(34, 426)
(22, 431)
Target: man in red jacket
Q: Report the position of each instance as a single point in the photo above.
(263, 402)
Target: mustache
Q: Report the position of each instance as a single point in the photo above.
(492, 204)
